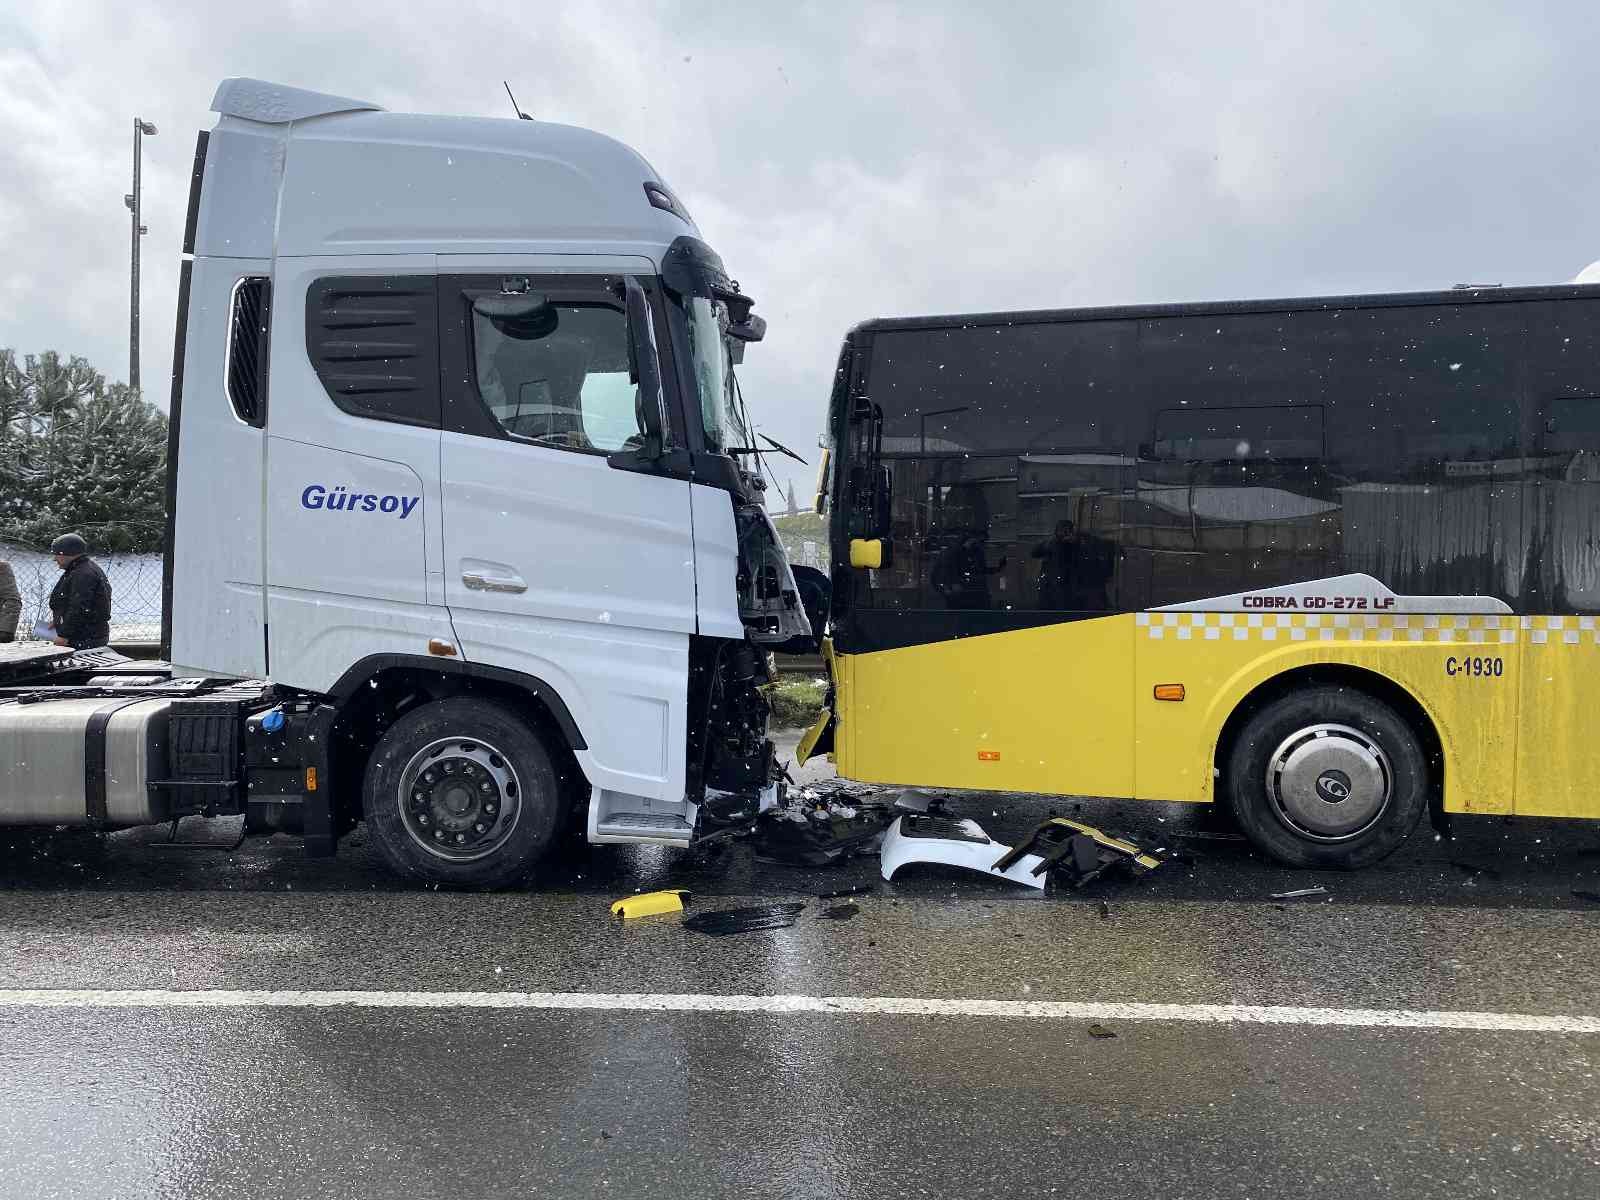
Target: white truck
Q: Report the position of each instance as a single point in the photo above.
(464, 539)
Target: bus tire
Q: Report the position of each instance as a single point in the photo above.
(1327, 777)
(463, 792)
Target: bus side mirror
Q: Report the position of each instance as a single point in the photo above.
(644, 369)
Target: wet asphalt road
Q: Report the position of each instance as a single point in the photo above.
(424, 1102)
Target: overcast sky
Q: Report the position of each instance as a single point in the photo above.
(857, 160)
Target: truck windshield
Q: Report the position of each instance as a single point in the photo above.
(713, 373)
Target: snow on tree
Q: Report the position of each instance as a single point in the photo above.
(78, 453)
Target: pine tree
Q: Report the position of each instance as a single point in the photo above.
(77, 453)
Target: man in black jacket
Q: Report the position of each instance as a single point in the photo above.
(80, 603)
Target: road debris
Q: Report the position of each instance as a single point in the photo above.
(1098, 1030)
(915, 800)
(952, 842)
(649, 904)
(818, 828)
(841, 912)
(1080, 853)
(723, 921)
(1074, 852)
(860, 889)
(1299, 892)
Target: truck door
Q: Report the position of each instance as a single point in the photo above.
(558, 564)
(353, 509)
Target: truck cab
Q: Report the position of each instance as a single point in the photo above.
(459, 469)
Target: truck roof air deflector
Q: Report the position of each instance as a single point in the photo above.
(274, 104)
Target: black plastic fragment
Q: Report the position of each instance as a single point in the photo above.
(820, 834)
(723, 921)
(841, 912)
(1098, 1030)
(860, 889)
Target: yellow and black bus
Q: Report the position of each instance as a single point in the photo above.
(1330, 562)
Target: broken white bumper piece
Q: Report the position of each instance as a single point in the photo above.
(920, 838)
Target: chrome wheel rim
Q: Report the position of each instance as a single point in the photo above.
(1329, 783)
(459, 799)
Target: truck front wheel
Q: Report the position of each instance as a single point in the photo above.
(463, 792)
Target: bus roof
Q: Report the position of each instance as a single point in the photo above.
(1047, 316)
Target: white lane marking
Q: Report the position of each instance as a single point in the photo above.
(905, 1006)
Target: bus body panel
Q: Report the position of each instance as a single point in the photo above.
(1444, 662)
(979, 713)
(1558, 759)
(1059, 493)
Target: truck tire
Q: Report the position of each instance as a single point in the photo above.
(1327, 777)
(465, 793)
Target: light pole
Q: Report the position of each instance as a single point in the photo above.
(141, 129)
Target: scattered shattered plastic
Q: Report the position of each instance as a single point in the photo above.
(818, 827)
(860, 889)
(1077, 854)
(913, 800)
(1297, 893)
(648, 904)
(723, 921)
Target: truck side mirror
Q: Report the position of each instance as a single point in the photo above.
(644, 369)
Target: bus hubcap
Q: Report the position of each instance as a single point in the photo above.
(1329, 783)
(459, 799)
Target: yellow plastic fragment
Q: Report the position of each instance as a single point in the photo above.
(648, 904)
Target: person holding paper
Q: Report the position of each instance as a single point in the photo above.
(80, 603)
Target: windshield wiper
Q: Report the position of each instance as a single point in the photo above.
(782, 449)
(756, 450)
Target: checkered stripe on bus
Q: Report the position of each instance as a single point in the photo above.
(1355, 627)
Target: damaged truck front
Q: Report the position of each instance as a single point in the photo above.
(461, 483)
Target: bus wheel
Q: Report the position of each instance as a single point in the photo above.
(1327, 777)
(463, 792)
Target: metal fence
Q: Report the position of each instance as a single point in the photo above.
(135, 590)
(136, 583)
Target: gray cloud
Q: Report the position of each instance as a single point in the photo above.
(853, 161)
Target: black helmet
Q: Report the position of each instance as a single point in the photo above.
(70, 544)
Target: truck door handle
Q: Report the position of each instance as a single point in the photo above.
(480, 582)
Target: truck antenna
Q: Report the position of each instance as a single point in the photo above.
(514, 106)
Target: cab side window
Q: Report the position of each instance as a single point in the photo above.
(549, 364)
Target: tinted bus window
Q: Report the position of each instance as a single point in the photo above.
(1287, 447)
(1562, 509)
(1094, 466)
(1006, 446)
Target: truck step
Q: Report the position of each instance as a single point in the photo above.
(618, 818)
(651, 825)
